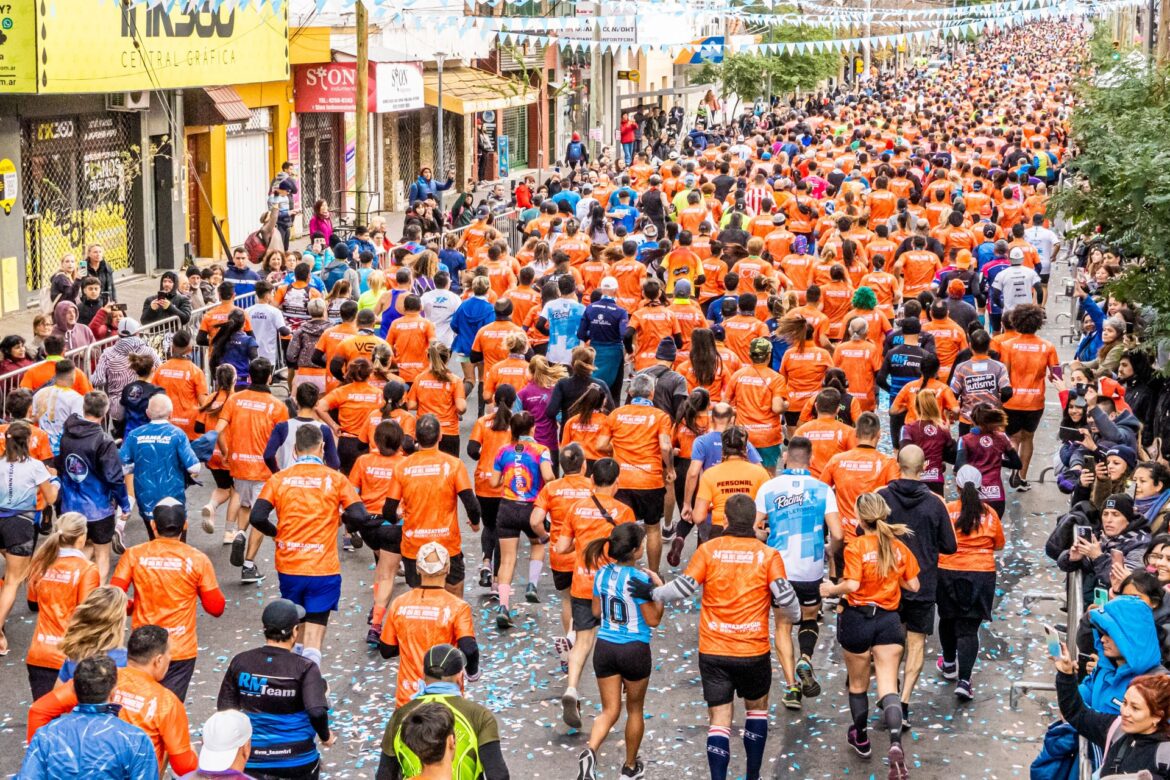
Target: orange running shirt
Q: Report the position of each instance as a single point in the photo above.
(949, 341)
(330, 341)
(829, 437)
(556, 498)
(918, 270)
(586, 434)
(434, 396)
(635, 430)
(410, 336)
(724, 480)
(184, 383)
(509, 371)
(417, 621)
(860, 360)
(168, 575)
(492, 342)
(65, 584)
(250, 416)
(217, 315)
(652, 324)
(753, 389)
(154, 709)
(861, 565)
(428, 483)
(354, 403)
(371, 476)
(804, 369)
(308, 499)
(740, 330)
(360, 345)
(1028, 359)
(736, 574)
(490, 442)
(682, 263)
(977, 549)
(860, 470)
(584, 523)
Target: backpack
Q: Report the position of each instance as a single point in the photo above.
(257, 247)
(334, 273)
(466, 764)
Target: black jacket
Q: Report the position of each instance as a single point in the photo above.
(912, 502)
(1128, 753)
(180, 304)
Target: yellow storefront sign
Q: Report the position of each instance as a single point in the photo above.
(94, 46)
(18, 46)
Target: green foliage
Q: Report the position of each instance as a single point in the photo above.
(746, 75)
(1122, 178)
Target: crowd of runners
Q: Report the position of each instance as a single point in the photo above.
(791, 373)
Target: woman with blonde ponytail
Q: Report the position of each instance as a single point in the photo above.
(439, 392)
(97, 627)
(878, 566)
(59, 578)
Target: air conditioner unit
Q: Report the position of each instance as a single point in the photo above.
(128, 101)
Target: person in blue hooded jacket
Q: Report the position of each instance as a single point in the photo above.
(426, 187)
(472, 314)
(160, 458)
(1126, 643)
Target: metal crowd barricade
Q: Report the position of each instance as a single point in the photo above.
(1075, 606)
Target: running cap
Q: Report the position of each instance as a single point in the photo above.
(1016, 256)
(650, 231)
(224, 733)
(433, 558)
(282, 615)
(968, 475)
(672, 156)
(682, 289)
(609, 283)
(128, 326)
(443, 661)
(169, 515)
(759, 349)
(779, 218)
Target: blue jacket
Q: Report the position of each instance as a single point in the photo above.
(1090, 344)
(357, 246)
(245, 280)
(159, 456)
(471, 315)
(604, 322)
(90, 743)
(1130, 624)
(422, 188)
(90, 469)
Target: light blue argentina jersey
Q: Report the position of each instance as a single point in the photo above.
(564, 317)
(796, 503)
(621, 615)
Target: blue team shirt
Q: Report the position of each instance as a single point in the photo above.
(159, 456)
(708, 450)
(796, 504)
(621, 614)
(564, 320)
(521, 469)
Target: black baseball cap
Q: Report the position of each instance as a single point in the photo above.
(282, 615)
(169, 515)
(443, 661)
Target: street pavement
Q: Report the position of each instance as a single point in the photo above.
(522, 682)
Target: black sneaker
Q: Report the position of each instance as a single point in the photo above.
(587, 765)
(374, 636)
(791, 698)
(116, 543)
(356, 541)
(250, 573)
(531, 595)
(1014, 479)
(635, 772)
(808, 680)
(906, 724)
(504, 620)
(236, 558)
(963, 691)
(571, 710)
(485, 577)
(674, 557)
(1024, 486)
(859, 745)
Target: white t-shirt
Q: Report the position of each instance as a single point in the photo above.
(51, 407)
(1016, 283)
(19, 484)
(439, 307)
(1044, 240)
(267, 320)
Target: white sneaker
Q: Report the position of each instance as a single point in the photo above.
(208, 513)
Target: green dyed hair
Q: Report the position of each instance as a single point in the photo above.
(864, 299)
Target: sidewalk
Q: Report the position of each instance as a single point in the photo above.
(132, 291)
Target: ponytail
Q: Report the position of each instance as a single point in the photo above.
(697, 403)
(970, 509)
(438, 355)
(67, 530)
(620, 546)
(521, 425)
(503, 398)
(872, 512)
(590, 402)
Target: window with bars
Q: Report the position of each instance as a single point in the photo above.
(516, 128)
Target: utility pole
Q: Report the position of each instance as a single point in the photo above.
(361, 151)
(439, 162)
(866, 45)
(595, 81)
